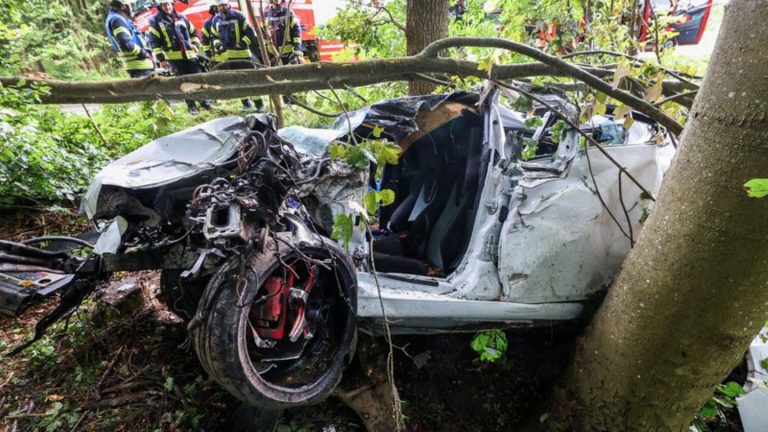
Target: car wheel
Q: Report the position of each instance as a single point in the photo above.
(278, 328)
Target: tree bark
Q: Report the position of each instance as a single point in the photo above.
(692, 294)
(427, 21)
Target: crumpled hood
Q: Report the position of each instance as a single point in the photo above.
(169, 159)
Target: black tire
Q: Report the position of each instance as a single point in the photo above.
(225, 349)
(179, 297)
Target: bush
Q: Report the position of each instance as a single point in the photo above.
(48, 156)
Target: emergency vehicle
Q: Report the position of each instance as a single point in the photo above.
(196, 12)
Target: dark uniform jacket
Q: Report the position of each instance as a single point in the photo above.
(127, 42)
(286, 30)
(232, 35)
(172, 37)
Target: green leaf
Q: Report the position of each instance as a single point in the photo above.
(377, 130)
(709, 410)
(486, 63)
(337, 151)
(371, 201)
(490, 344)
(644, 215)
(533, 122)
(622, 70)
(387, 197)
(168, 384)
(654, 92)
(529, 148)
(757, 187)
(731, 389)
(342, 229)
(389, 153)
(557, 131)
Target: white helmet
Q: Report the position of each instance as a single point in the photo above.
(162, 2)
(218, 3)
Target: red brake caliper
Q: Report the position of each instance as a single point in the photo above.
(270, 317)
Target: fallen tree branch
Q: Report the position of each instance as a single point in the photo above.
(678, 98)
(679, 75)
(581, 74)
(314, 76)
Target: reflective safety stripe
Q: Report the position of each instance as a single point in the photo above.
(286, 49)
(178, 55)
(138, 64)
(247, 40)
(238, 54)
(120, 30)
(167, 38)
(154, 31)
(205, 32)
(157, 51)
(220, 57)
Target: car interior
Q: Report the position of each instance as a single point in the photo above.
(436, 183)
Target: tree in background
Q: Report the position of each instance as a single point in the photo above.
(427, 21)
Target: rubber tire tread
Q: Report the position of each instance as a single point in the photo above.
(216, 344)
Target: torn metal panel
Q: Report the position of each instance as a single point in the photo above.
(559, 243)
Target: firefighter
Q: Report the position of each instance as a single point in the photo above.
(126, 40)
(234, 40)
(175, 44)
(208, 39)
(286, 32)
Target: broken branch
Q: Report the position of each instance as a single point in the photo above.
(580, 73)
(299, 78)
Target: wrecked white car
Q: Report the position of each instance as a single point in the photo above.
(240, 217)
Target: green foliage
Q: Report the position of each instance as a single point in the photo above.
(757, 187)
(360, 155)
(369, 31)
(342, 229)
(62, 39)
(49, 156)
(490, 344)
(373, 198)
(530, 146)
(723, 399)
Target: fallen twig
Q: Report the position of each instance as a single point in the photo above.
(80, 420)
(116, 401)
(107, 371)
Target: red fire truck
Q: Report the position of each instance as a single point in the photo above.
(197, 12)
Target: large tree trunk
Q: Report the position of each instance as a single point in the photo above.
(427, 21)
(694, 291)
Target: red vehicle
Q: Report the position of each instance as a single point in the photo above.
(197, 12)
(691, 19)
